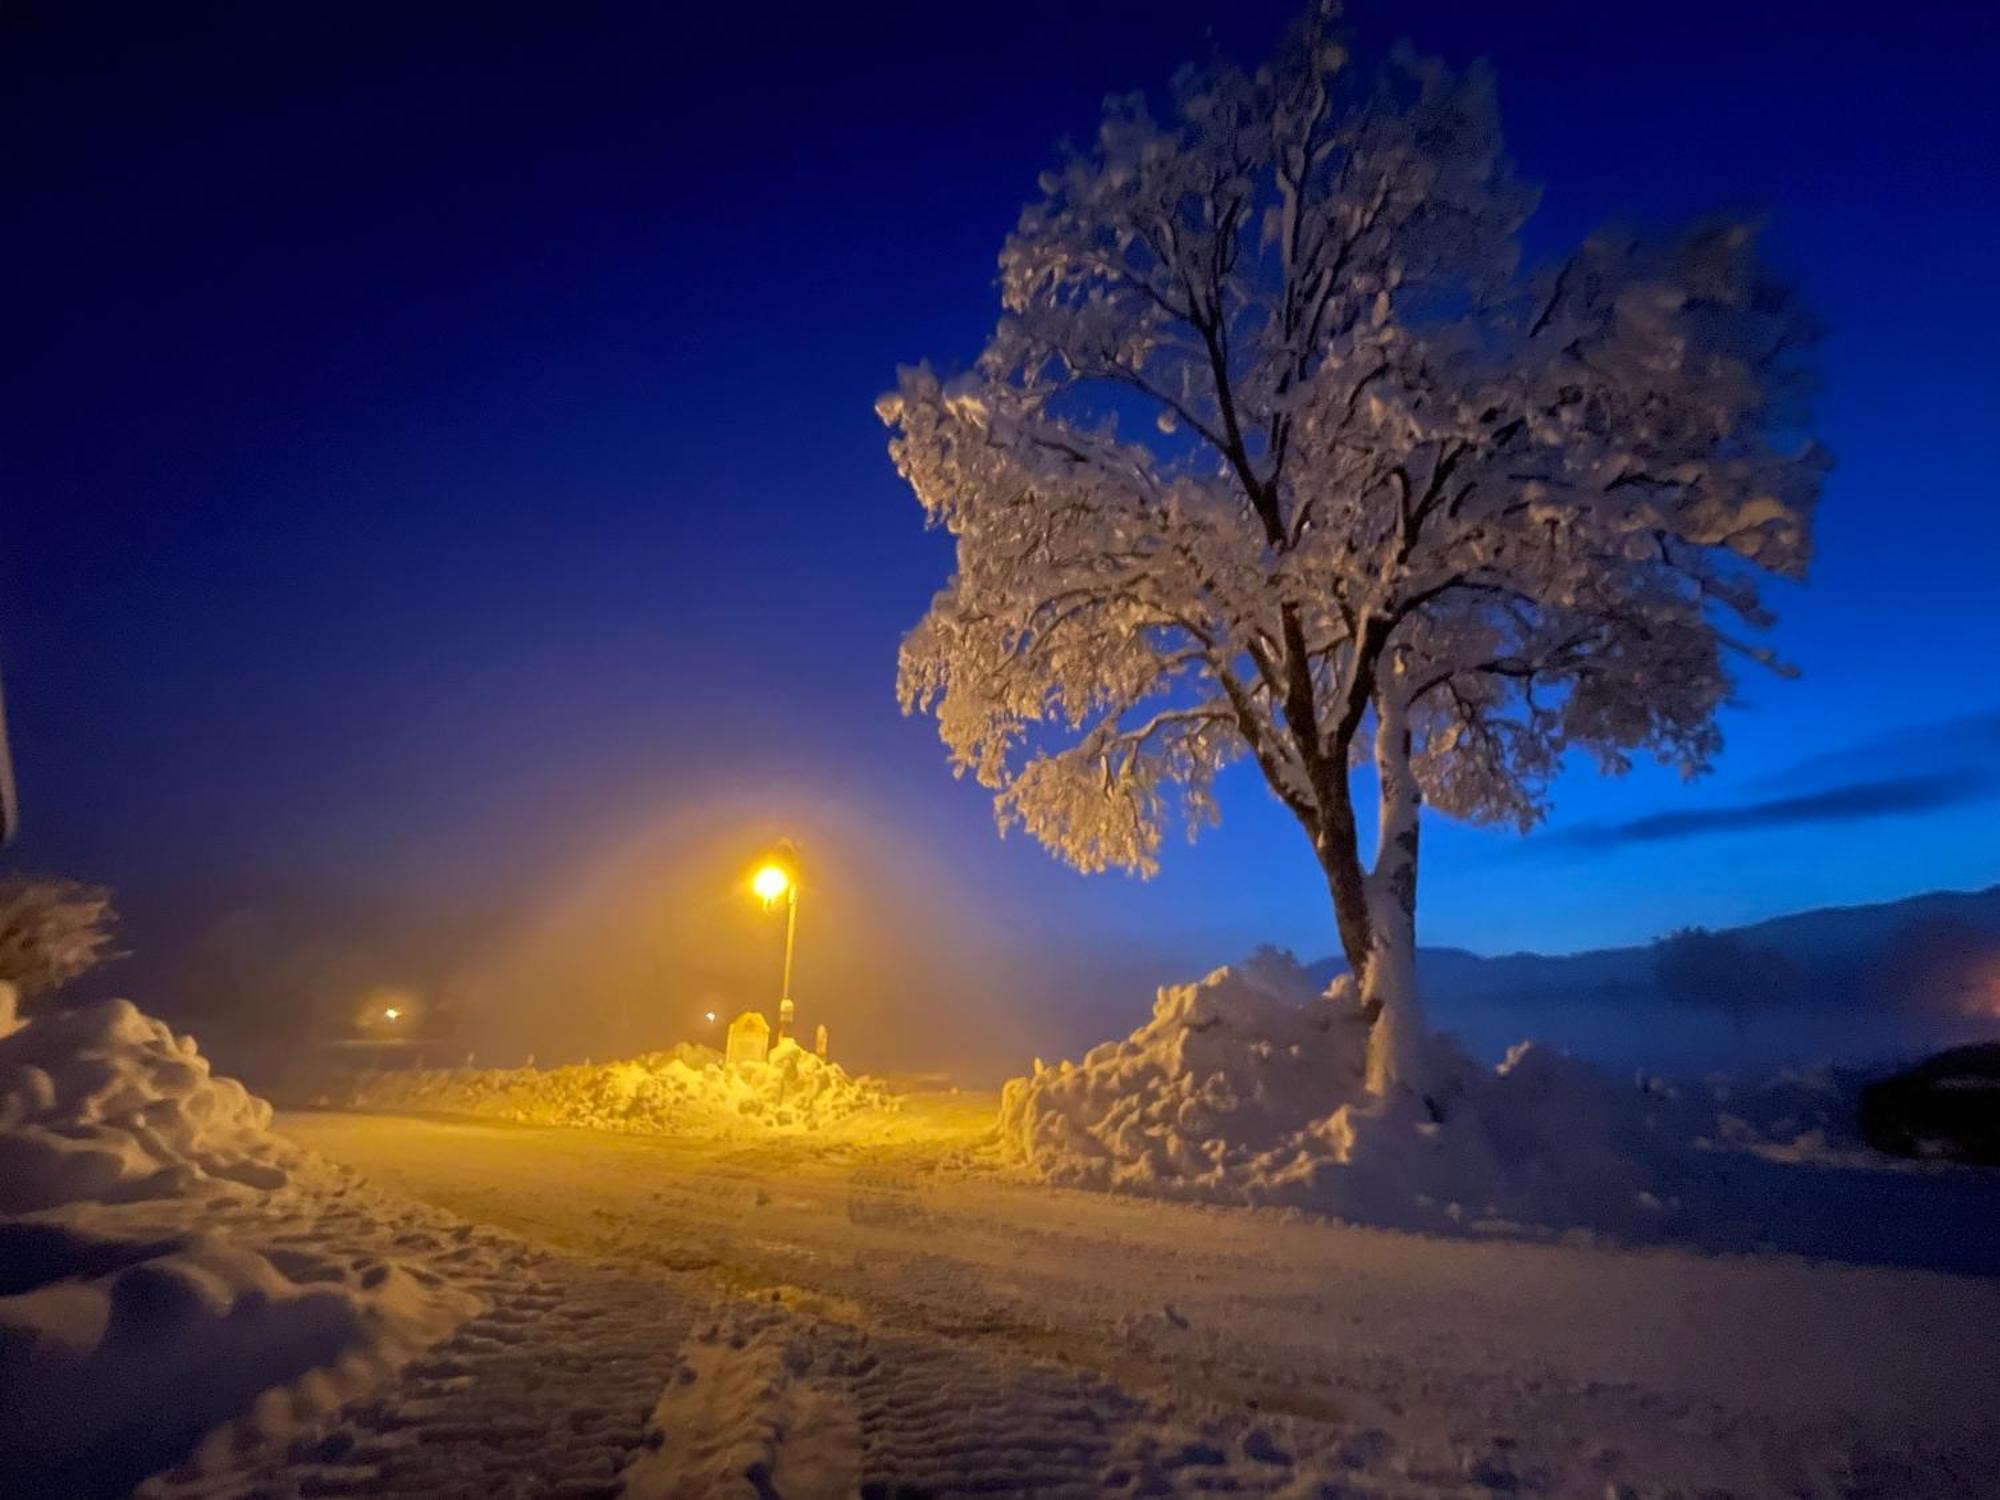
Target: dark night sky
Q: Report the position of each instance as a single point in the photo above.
(439, 449)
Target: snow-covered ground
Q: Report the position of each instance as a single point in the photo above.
(176, 1281)
(787, 1282)
(906, 1310)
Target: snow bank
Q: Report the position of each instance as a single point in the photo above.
(1247, 1088)
(687, 1091)
(168, 1266)
(123, 1354)
(104, 1104)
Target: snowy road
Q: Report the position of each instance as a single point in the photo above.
(895, 1312)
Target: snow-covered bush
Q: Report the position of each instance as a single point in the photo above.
(52, 932)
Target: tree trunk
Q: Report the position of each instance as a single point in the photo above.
(1346, 882)
(1389, 983)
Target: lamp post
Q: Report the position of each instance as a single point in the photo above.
(774, 881)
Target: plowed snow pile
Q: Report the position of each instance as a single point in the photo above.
(1247, 1088)
(688, 1091)
(104, 1104)
(168, 1265)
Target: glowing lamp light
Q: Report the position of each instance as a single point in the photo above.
(774, 882)
(709, 1016)
(770, 882)
(387, 1010)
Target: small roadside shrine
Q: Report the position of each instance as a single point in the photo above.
(749, 1038)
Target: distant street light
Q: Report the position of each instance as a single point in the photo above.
(777, 881)
(387, 1012)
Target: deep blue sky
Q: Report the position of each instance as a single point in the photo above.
(437, 448)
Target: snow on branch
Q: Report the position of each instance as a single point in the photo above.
(1276, 428)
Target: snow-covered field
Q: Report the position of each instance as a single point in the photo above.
(789, 1283)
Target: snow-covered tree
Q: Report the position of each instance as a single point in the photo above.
(52, 932)
(1279, 451)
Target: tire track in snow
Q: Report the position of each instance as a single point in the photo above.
(545, 1394)
(1226, 1350)
(768, 1403)
(585, 1379)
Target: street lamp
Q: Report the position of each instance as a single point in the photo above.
(388, 1011)
(777, 881)
(770, 882)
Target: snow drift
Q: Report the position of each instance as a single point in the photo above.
(168, 1265)
(1247, 1088)
(104, 1104)
(686, 1091)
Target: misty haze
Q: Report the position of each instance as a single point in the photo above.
(810, 752)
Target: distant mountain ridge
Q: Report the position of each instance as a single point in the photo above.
(1855, 980)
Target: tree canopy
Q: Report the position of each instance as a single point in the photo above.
(1278, 437)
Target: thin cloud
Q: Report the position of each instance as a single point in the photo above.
(1854, 802)
(1938, 747)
